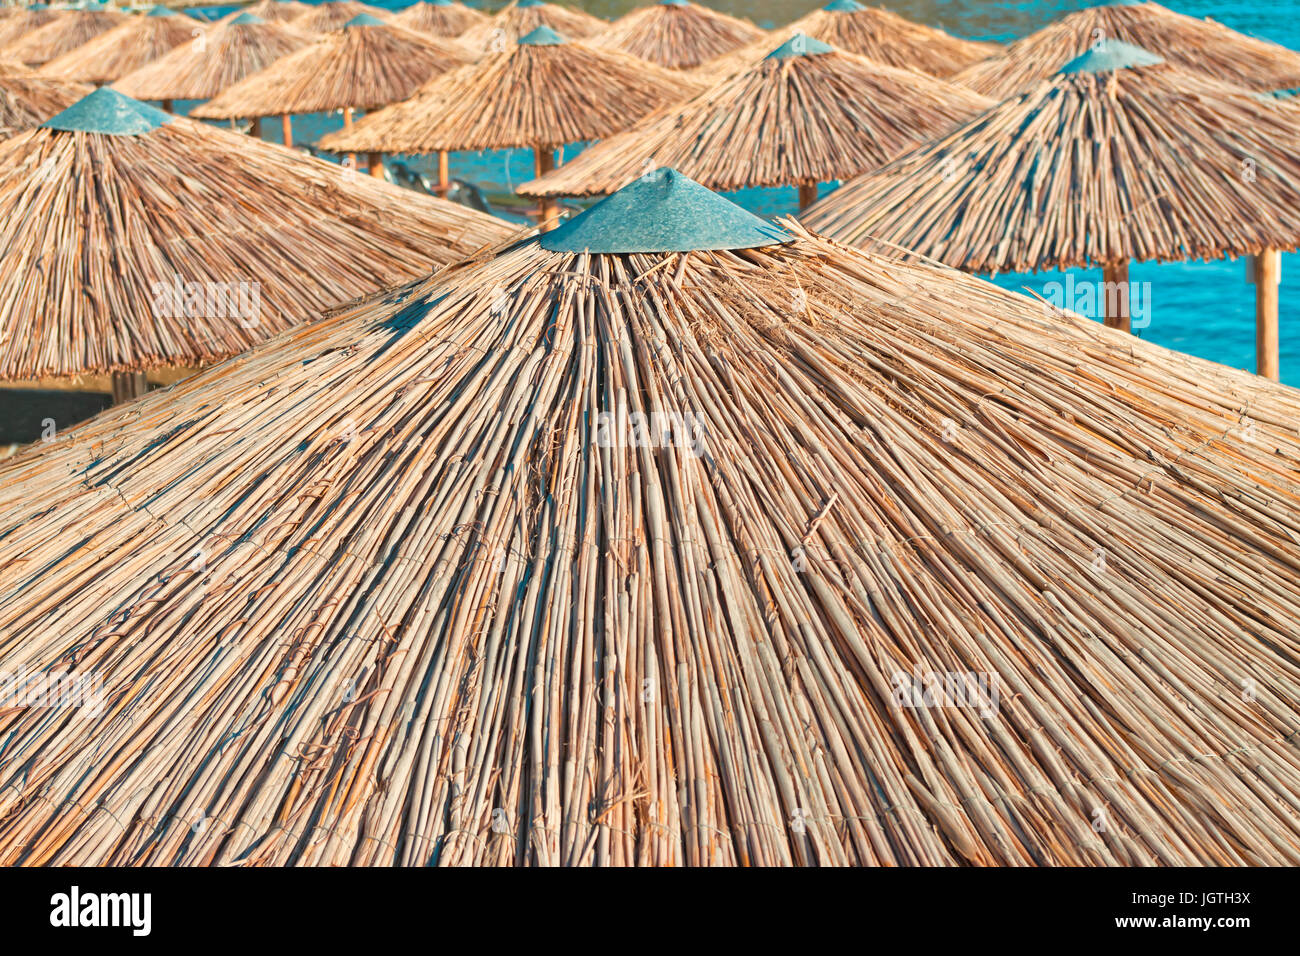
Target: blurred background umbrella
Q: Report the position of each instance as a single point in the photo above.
(805, 114)
(28, 99)
(65, 32)
(324, 17)
(522, 17)
(273, 11)
(677, 34)
(126, 47)
(440, 18)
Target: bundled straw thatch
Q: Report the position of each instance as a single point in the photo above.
(417, 585)
(69, 30)
(116, 204)
(523, 17)
(1092, 166)
(541, 93)
(439, 18)
(324, 17)
(275, 11)
(227, 52)
(364, 64)
(805, 114)
(23, 21)
(28, 99)
(1201, 45)
(127, 47)
(677, 34)
(874, 33)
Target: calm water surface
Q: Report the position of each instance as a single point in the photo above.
(1203, 308)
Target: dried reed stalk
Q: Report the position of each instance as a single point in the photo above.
(27, 99)
(92, 224)
(127, 47)
(65, 32)
(361, 67)
(1201, 45)
(225, 54)
(1150, 163)
(527, 96)
(379, 593)
(800, 119)
(679, 36)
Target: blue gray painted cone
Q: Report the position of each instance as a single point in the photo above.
(161, 12)
(247, 18)
(364, 20)
(542, 36)
(108, 111)
(663, 211)
(800, 45)
(844, 6)
(1108, 56)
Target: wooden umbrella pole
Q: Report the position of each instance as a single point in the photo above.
(286, 126)
(347, 124)
(444, 179)
(376, 163)
(1268, 274)
(255, 128)
(1115, 301)
(168, 106)
(547, 208)
(128, 385)
(807, 194)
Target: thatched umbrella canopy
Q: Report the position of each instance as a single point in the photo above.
(113, 204)
(805, 114)
(127, 47)
(874, 33)
(24, 20)
(523, 17)
(1119, 157)
(696, 548)
(1201, 45)
(540, 94)
(677, 34)
(65, 32)
(28, 99)
(227, 52)
(324, 17)
(273, 11)
(440, 18)
(365, 63)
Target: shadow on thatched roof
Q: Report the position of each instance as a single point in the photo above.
(676, 34)
(804, 113)
(781, 555)
(224, 54)
(439, 18)
(67, 31)
(1093, 166)
(117, 200)
(1203, 46)
(125, 48)
(364, 64)
(543, 92)
(874, 33)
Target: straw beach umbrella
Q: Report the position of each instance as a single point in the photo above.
(677, 34)
(807, 113)
(874, 33)
(1201, 45)
(25, 20)
(112, 206)
(65, 32)
(654, 540)
(364, 64)
(1119, 157)
(324, 17)
(221, 56)
(273, 11)
(521, 18)
(439, 18)
(28, 99)
(126, 47)
(539, 95)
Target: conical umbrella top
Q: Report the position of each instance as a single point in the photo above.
(108, 112)
(844, 6)
(247, 18)
(542, 36)
(663, 211)
(1108, 56)
(800, 45)
(161, 11)
(364, 20)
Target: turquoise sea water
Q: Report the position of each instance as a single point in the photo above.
(1206, 309)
